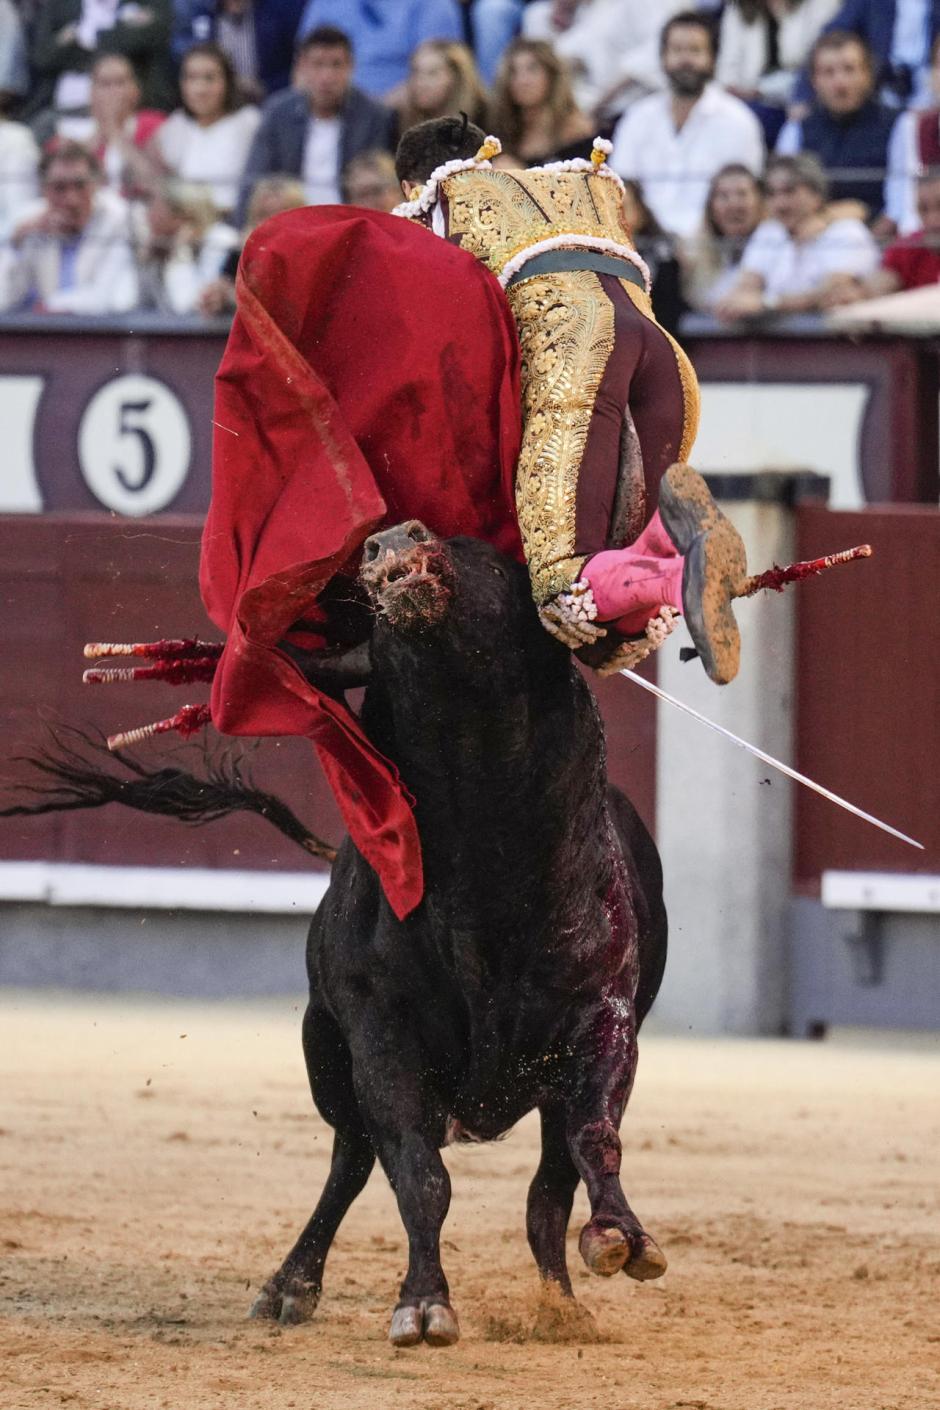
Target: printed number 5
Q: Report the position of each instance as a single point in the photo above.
(148, 454)
(135, 445)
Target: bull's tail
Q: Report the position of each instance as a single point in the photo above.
(77, 771)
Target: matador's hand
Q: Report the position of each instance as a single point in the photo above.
(570, 616)
(629, 654)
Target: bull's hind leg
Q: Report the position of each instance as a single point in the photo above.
(551, 1195)
(294, 1291)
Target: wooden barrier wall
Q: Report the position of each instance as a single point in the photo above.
(67, 579)
(118, 417)
(868, 691)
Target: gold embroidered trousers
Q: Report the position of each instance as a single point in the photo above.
(609, 402)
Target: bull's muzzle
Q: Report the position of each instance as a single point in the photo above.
(408, 575)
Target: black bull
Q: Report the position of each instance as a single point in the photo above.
(522, 978)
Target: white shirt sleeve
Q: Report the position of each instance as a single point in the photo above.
(170, 140)
(185, 277)
(18, 173)
(741, 51)
(615, 43)
(790, 141)
(850, 249)
(14, 277)
(903, 168)
(108, 286)
(635, 48)
(763, 249)
(751, 150)
(628, 142)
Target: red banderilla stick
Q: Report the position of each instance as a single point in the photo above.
(189, 720)
(178, 671)
(171, 648)
(776, 579)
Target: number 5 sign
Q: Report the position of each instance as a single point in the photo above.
(134, 445)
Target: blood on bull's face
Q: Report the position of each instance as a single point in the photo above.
(408, 576)
(461, 605)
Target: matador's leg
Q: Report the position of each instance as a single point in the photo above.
(609, 401)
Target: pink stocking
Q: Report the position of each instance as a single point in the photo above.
(654, 541)
(631, 584)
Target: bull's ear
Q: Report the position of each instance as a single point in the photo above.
(333, 672)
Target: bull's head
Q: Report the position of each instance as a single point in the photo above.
(458, 608)
(408, 575)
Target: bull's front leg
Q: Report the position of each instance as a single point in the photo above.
(613, 1239)
(421, 1183)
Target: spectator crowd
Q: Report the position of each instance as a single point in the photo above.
(779, 156)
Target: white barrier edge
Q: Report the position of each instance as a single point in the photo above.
(880, 891)
(163, 888)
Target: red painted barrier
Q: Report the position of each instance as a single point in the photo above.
(868, 691)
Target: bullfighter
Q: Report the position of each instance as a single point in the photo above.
(617, 543)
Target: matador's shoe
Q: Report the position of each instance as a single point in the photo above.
(715, 566)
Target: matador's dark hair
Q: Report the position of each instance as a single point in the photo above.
(430, 144)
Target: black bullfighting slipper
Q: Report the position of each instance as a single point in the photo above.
(714, 572)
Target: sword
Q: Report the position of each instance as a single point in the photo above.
(769, 759)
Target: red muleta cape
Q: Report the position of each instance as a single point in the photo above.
(371, 376)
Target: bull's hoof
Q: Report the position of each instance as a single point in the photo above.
(267, 1305)
(291, 1303)
(646, 1260)
(607, 1249)
(441, 1327)
(299, 1302)
(433, 1322)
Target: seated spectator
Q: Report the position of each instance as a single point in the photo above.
(386, 33)
(493, 24)
(657, 249)
(208, 139)
(675, 142)
(442, 81)
(73, 254)
(369, 181)
(258, 37)
(118, 128)
(848, 128)
(19, 161)
(70, 33)
(14, 67)
(534, 112)
(763, 46)
(711, 258)
(316, 128)
(185, 249)
(914, 148)
(796, 261)
(912, 262)
(271, 196)
(900, 34)
(611, 49)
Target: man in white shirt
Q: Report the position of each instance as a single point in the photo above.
(798, 261)
(73, 254)
(673, 143)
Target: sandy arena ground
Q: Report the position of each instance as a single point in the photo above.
(158, 1159)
